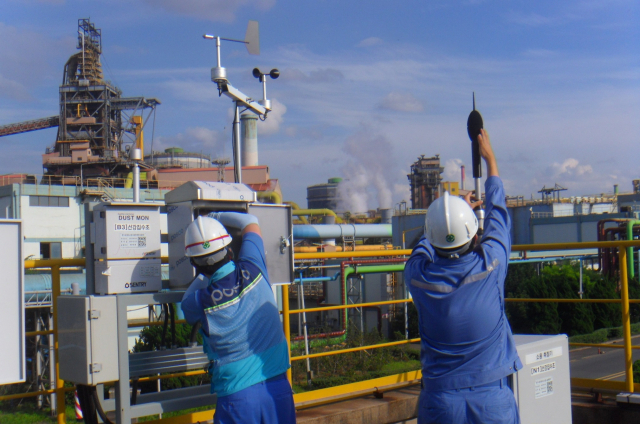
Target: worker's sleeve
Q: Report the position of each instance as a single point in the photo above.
(497, 223)
(191, 305)
(424, 250)
(252, 250)
(421, 256)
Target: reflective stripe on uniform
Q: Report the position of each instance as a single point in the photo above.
(443, 288)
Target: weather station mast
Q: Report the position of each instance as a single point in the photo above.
(241, 100)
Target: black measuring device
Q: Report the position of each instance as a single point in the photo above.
(474, 125)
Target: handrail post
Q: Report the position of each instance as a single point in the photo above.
(626, 320)
(55, 292)
(286, 323)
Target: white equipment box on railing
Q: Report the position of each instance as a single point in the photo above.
(88, 339)
(12, 333)
(126, 248)
(196, 198)
(542, 387)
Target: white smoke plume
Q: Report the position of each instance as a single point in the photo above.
(370, 159)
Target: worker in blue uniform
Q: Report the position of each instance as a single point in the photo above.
(243, 335)
(457, 284)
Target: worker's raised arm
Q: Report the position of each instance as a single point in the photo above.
(245, 222)
(486, 151)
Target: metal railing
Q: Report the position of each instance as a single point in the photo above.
(378, 385)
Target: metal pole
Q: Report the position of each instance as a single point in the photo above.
(406, 313)
(218, 49)
(286, 323)
(55, 292)
(39, 360)
(236, 144)
(361, 298)
(306, 336)
(299, 315)
(626, 321)
(52, 367)
(580, 292)
(264, 86)
(136, 183)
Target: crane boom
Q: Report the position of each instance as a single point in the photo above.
(26, 126)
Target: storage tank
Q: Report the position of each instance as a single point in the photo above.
(324, 196)
(176, 157)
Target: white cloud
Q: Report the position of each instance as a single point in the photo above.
(210, 10)
(275, 118)
(570, 168)
(30, 57)
(370, 42)
(370, 158)
(13, 90)
(402, 192)
(401, 102)
(196, 139)
(325, 75)
(532, 19)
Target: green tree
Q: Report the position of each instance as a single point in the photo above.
(576, 318)
(151, 339)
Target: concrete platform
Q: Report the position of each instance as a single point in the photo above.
(394, 407)
(400, 406)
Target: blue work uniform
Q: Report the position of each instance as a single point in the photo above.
(244, 340)
(467, 348)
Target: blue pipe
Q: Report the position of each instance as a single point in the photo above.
(317, 279)
(333, 231)
(550, 259)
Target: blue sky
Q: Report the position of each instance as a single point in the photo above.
(366, 87)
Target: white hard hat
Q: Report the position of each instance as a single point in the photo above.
(450, 223)
(205, 236)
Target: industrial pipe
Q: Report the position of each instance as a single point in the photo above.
(315, 212)
(359, 248)
(275, 197)
(340, 231)
(346, 271)
(295, 207)
(630, 262)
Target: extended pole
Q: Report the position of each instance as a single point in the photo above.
(474, 125)
(237, 163)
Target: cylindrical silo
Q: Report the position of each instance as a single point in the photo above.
(249, 131)
(385, 216)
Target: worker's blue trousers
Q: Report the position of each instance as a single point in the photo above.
(268, 402)
(490, 404)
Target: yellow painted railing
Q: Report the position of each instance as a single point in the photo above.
(318, 397)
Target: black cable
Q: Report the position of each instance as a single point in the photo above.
(165, 309)
(134, 391)
(87, 404)
(194, 332)
(172, 313)
(98, 405)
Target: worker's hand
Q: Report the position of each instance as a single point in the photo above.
(472, 204)
(486, 151)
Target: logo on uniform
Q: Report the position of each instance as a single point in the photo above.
(206, 245)
(450, 238)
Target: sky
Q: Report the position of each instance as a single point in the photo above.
(365, 87)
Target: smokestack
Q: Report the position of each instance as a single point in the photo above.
(249, 136)
(462, 177)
